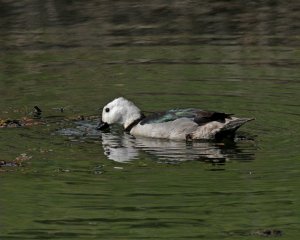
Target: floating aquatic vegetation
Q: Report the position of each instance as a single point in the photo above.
(35, 117)
(23, 122)
(267, 233)
(19, 161)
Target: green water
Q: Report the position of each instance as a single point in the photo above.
(216, 55)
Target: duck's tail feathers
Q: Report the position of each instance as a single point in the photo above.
(228, 130)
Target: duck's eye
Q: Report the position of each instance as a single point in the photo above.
(106, 109)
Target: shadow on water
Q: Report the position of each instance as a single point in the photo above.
(122, 147)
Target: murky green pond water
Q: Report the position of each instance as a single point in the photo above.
(80, 184)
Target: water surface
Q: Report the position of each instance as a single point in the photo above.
(240, 58)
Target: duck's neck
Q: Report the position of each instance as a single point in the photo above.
(134, 123)
(132, 117)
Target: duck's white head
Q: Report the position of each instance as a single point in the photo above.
(120, 111)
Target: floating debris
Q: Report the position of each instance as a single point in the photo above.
(10, 123)
(60, 109)
(258, 233)
(18, 162)
(267, 233)
(23, 157)
(4, 163)
(63, 170)
(98, 170)
(119, 168)
(36, 118)
(37, 112)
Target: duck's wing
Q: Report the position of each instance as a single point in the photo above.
(203, 117)
(197, 115)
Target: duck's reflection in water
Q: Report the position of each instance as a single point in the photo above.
(119, 148)
(122, 147)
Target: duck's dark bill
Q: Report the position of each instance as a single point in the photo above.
(102, 126)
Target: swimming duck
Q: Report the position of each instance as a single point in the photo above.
(175, 124)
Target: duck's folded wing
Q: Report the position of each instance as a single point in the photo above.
(203, 117)
(197, 115)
